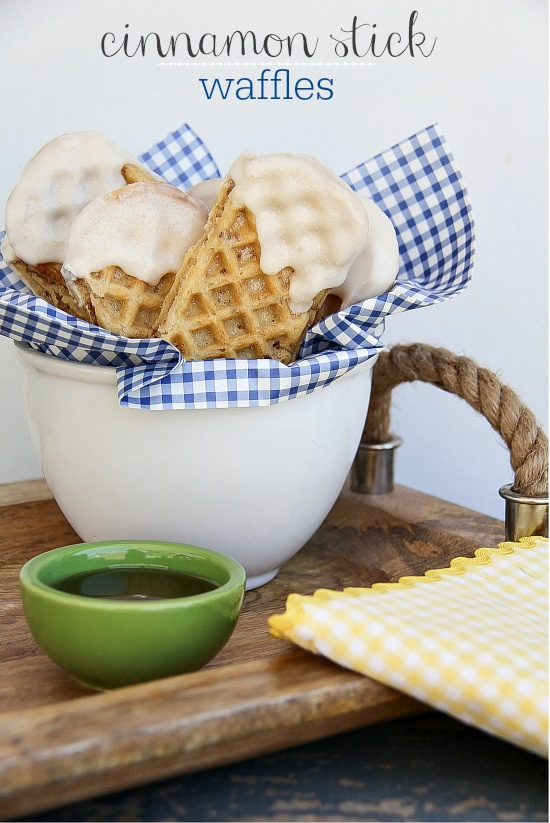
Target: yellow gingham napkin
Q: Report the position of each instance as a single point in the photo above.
(470, 640)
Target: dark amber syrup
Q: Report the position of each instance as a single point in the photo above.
(134, 583)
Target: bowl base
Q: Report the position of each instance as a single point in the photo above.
(258, 580)
(85, 684)
(96, 687)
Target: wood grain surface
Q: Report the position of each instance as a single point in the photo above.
(260, 694)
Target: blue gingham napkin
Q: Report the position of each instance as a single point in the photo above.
(416, 183)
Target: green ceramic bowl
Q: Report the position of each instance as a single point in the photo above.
(108, 643)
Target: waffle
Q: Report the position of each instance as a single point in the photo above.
(223, 305)
(46, 281)
(122, 303)
(123, 251)
(137, 174)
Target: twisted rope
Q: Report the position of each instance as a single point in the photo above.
(480, 388)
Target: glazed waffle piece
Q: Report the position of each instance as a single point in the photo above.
(223, 305)
(54, 186)
(123, 251)
(46, 281)
(119, 302)
(283, 231)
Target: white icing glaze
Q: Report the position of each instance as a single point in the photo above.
(207, 190)
(55, 185)
(375, 269)
(144, 228)
(306, 218)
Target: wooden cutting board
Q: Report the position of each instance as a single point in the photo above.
(60, 742)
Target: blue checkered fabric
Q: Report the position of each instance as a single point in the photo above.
(181, 159)
(416, 183)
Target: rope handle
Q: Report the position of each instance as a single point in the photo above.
(480, 388)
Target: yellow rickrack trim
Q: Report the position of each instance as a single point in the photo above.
(459, 565)
(280, 623)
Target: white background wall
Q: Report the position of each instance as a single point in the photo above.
(485, 83)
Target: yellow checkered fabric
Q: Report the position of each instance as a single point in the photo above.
(470, 640)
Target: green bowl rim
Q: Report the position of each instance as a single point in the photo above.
(237, 577)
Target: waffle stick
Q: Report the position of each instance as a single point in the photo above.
(137, 174)
(223, 305)
(122, 303)
(46, 281)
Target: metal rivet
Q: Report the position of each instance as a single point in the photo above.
(524, 516)
(373, 467)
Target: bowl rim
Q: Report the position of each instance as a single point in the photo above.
(51, 364)
(28, 578)
(59, 366)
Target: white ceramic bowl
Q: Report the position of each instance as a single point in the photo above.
(253, 483)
